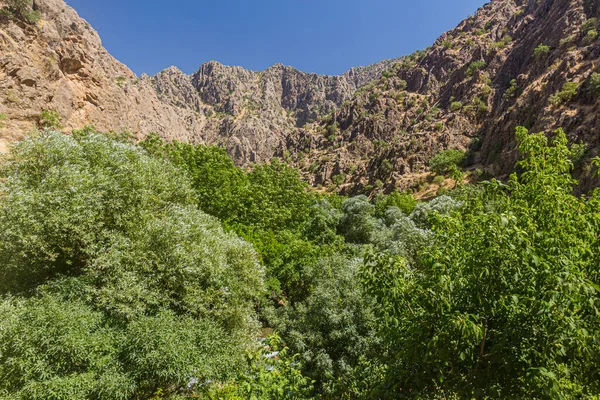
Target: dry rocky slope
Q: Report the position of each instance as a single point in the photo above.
(372, 128)
(60, 64)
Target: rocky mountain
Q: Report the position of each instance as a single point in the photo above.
(59, 64)
(515, 62)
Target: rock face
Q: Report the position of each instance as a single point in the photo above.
(253, 114)
(60, 64)
(470, 90)
(372, 128)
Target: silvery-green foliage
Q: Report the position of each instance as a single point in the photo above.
(98, 226)
(358, 225)
(56, 349)
(333, 329)
(407, 239)
(321, 226)
(441, 204)
(392, 215)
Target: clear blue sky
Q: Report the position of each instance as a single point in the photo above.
(322, 36)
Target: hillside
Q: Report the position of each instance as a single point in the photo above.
(372, 128)
(60, 64)
(506, 66)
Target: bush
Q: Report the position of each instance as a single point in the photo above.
(566, 94)
(273, 374)
(441, 162)
(3, 119)
(332, 130)
(358, 225)
(438, 180)
(589, 25)
(590, 37)
(113, 283)
(475, 66)
(456, 106)
(403, 201)
(338, 179)
(49, 119)
(512, 91)
(22, 9)
(595, 84)
(333, 330)
(505, 41)
(481, 107)
(541, 51)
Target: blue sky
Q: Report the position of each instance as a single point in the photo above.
(322, 36)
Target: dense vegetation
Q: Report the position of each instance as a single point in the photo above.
(136, 271)
(22, 9)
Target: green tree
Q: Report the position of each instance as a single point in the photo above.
(566, 94)
(541, 51)
(504, 303)
(111, 280)
(333, 330)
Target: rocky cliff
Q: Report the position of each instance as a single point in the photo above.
(515, 62)
(59, 64)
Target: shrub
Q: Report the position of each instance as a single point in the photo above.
(541, 51)
(273, 373)
(49, 119)
(402, 84)
(332, 129)
(338, 179)
(512, 91)
(22, 9)
(475, 66)
(568, 41)
(566, 94)
(3, 119)
(333, 330)
(578, 153)
(505, 41)
(447, 44)
(595, 84)
(438, 180)
(403, 201)
(589, 25)
(442, 161)
(590, 37)
(386, 166)
(481, 106)
(455, 106)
